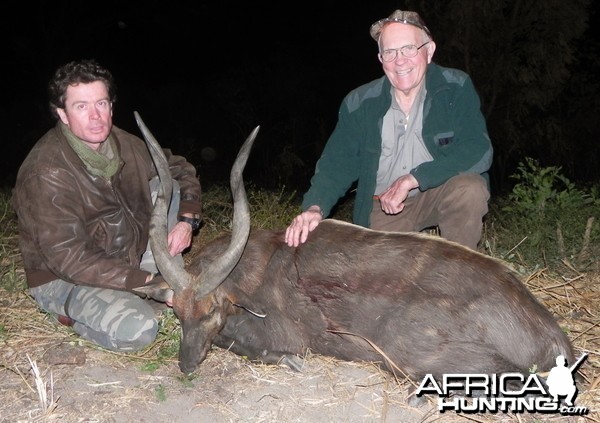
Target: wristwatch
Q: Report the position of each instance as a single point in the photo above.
(194, 221)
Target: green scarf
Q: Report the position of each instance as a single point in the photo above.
(103, 162)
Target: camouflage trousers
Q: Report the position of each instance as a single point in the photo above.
(115, 320)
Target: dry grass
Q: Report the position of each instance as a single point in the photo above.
(27, 334)
(29, 383)
(112, 387)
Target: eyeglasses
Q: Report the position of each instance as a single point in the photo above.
(409, 51)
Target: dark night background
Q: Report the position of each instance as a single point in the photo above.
(203, 74)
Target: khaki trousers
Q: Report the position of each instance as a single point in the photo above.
(456, 207)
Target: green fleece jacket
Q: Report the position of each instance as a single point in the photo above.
(454, 132)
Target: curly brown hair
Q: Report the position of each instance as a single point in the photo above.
(78, 72)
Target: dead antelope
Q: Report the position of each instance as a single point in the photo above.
(411, 302)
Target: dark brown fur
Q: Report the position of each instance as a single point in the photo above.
(430, 305)
(417, 304)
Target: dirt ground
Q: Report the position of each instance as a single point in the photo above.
(85, 384)
(100, 386)
(94, 385)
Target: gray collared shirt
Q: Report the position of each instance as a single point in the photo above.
(402, 147)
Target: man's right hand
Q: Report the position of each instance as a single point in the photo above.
(392, 199)
(305, 222)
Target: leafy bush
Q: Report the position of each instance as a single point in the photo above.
(546, 219)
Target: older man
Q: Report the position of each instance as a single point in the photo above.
(414, 140)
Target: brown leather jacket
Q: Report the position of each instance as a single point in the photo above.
(85, 229)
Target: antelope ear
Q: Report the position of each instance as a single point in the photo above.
(157, 289)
